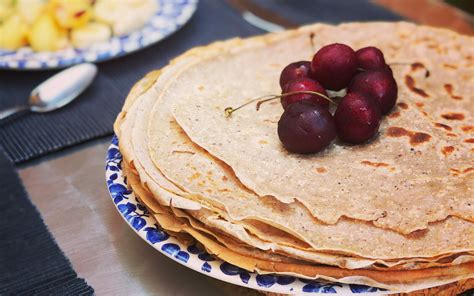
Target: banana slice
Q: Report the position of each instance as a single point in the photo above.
(124, 16)
(90, 34)
(45, 35)
(13, 33)
(106, 11)
(6, 9)
(30, 10)
(71, 14)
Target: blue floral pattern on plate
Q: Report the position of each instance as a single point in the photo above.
(171, 16)
(138, 217)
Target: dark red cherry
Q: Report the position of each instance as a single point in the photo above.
(370, 58)
(304, 84)
(306, 128)
(294, 71)
(357, 118)
(334, 66)
(388, 69)
(378, 84)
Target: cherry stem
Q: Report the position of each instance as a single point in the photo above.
(229, 110)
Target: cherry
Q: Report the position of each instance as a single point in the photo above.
(304, 84)
(357, 118)
(306, 128)
(370, 58)
(293, 71)
(379, 84)
(388, 69)
(334, 66)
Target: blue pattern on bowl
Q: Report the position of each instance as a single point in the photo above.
(206, 267)
(171, 249)
(324, 288)
(206, 257)
(244, 277)
(266, 280)
(363, 289)
(138, 217)
(155, 235)
(285, 280)
(193, 249)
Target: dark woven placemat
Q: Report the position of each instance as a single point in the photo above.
(93, 113)
(31, 262)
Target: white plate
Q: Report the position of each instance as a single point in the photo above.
(171, 15)
(137, 216)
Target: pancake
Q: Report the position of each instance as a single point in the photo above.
(253, 260)
(418, 181)
(196, 194)
(237, 232)
(339, 259)
(179, 159)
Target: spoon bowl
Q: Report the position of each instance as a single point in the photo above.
(57, 91)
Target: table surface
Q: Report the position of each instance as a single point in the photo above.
(70, 192)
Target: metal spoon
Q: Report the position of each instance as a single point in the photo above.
(58, 90)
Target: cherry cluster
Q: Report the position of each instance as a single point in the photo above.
(307, 125)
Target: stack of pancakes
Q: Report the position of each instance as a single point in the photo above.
(395, 213)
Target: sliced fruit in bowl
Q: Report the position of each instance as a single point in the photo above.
(71, 14)
(52, 25)
(13, 33)
(124, 16)
(30, 10)
(46, 35)
(89, 34)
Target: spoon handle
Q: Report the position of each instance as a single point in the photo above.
(8, 112)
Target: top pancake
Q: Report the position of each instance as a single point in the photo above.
(205, 179)
(181, 174)
(419, 168)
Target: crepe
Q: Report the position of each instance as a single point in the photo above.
(179, 159)
(219, 209)
(254, 260)
(171, 159)
(265, 231)
(414, 173)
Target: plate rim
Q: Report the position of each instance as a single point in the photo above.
(190, 256)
